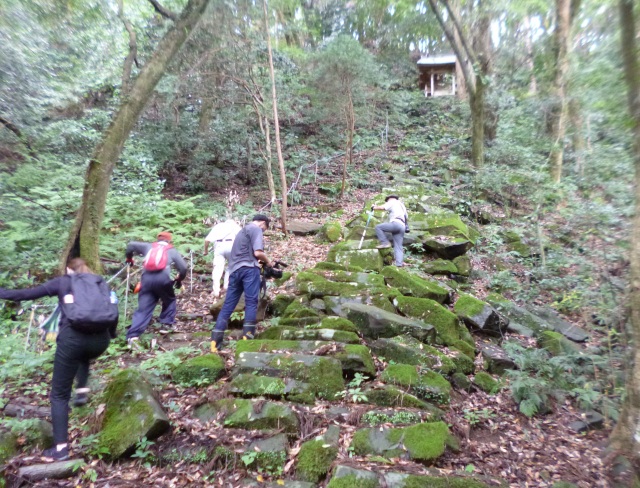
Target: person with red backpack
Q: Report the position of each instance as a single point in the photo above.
(156, 283)
(88, 321)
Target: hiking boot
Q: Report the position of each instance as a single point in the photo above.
(82, 397)
(133, 343)
(165, 329)
(248, 331)
(383, 246)
(217, 337)
(55, 454)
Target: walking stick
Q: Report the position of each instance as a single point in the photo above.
(126, 293)
(370, 214)
(191, 272)
(33, 314)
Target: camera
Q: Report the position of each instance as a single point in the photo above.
(274, 271)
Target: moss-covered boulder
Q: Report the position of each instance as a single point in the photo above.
(495, 359)
(514, 243)
(436, 480)
(332, 231)
(348, 477)
(374, 322)
(448, 327)
(485, 382)
(8, 445)
(366, 259)
(338, 276)
(557, 344)
(480, 315)
(322, 376)
(297, 309)
(463, 265)
(239, 413)
(280, 304)
(335, 266)
(355, 358)
(316, 456)
(407, 350)
(414, 286)
(270, 453)
(439, 267)
(460, 381)
(424, 442)
(427, 385)
(201, 370)
(311, 334)
(392, 396)
(132, 411)
(447, 247)
(338, 323)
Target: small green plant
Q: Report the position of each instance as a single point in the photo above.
(91, 444)
(143, 453)
(475, 417)
(353, 392)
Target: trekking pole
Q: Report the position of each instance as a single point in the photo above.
(33, 314)
(370, 214)
(191, 272)
(126, 292)
(126, 266)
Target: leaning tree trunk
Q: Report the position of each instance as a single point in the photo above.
(276, 123)
(84, 238)
(625, 437)
(476, 101)
(350, 119)
(559, 115)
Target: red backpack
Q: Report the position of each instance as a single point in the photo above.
(157, 257)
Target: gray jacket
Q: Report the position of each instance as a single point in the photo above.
(142, 248)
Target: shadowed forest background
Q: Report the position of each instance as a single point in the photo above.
(121, 118)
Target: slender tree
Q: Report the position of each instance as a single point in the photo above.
(625, 438)
(276, 123)
(84, 237)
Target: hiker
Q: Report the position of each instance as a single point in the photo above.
(395, 226)
(75, 348)
(244, 276)
(155, 284)
(222, 236)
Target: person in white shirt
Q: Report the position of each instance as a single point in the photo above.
(395, 226)
(222, 236)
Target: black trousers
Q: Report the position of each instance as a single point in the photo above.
(74, 351)
(153, 287)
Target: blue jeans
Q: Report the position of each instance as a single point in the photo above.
(153, 287)
(247, 280)
(396, 229)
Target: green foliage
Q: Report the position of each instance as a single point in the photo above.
(164, 362)
(374, 418)
(354, 392)
(475, 417)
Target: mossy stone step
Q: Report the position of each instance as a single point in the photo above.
(407, 350)
(377, 298)
(439, 267)
(435, 480)
(270, 453)
(360, 278)
(421, 442)
(367, 259)
(316, 456)
(447, 247)
(413, 285)
(251, 385)
(426, 385)
(295, 334)
(373, 322)
(391, 396)
(348, 477)
(239, 413)
(480, 315)
(354, 358)
(448, 326)
(199, 370)
(324, 374)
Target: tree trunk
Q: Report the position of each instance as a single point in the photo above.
(206, 110)
(577, 134)
(625, 438)
(276, 123)
(348, 156)
(133, 49)
(559, 115)
(268, 157)
(476, 100)
(528, 42)
(482, 47)
(84, 238)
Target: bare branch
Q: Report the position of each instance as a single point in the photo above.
(461, 34)
(166, 13)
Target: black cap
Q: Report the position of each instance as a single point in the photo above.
(391, 196)
(262, 218)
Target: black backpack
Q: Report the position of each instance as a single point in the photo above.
(89, 305)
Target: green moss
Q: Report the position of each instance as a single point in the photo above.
(431, 312)
(360, 442)
(314, 460)
(127, 413)
(439, 267)
(425, 442)
(556, 343)
(335, 266)
(468, 306)
(8, 445)
(411, 285)
(301, 322)
(447, 224)
(280, 303)
(366, 259)
(332, 231)
(297, 310)
(241, 415)
(485, 382)
(423, 481)
(463, 363)
(309, 334)
(356, 358)
(259, 345)
(463, 265)
(252, 385)
(286, 276)
(201, 370)
(390, 396)
(330, 288)
(428, 386)
(465, 348)
(401, 374)
(338, 323)
(374, 418)
(369, 279)
(352, 481)
(324, 376)
(461, 381)
(407, 350)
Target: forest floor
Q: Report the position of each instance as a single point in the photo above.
(495, 438)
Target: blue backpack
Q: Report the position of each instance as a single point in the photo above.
(89, 305)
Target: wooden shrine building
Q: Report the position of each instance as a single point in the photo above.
(438, 75)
